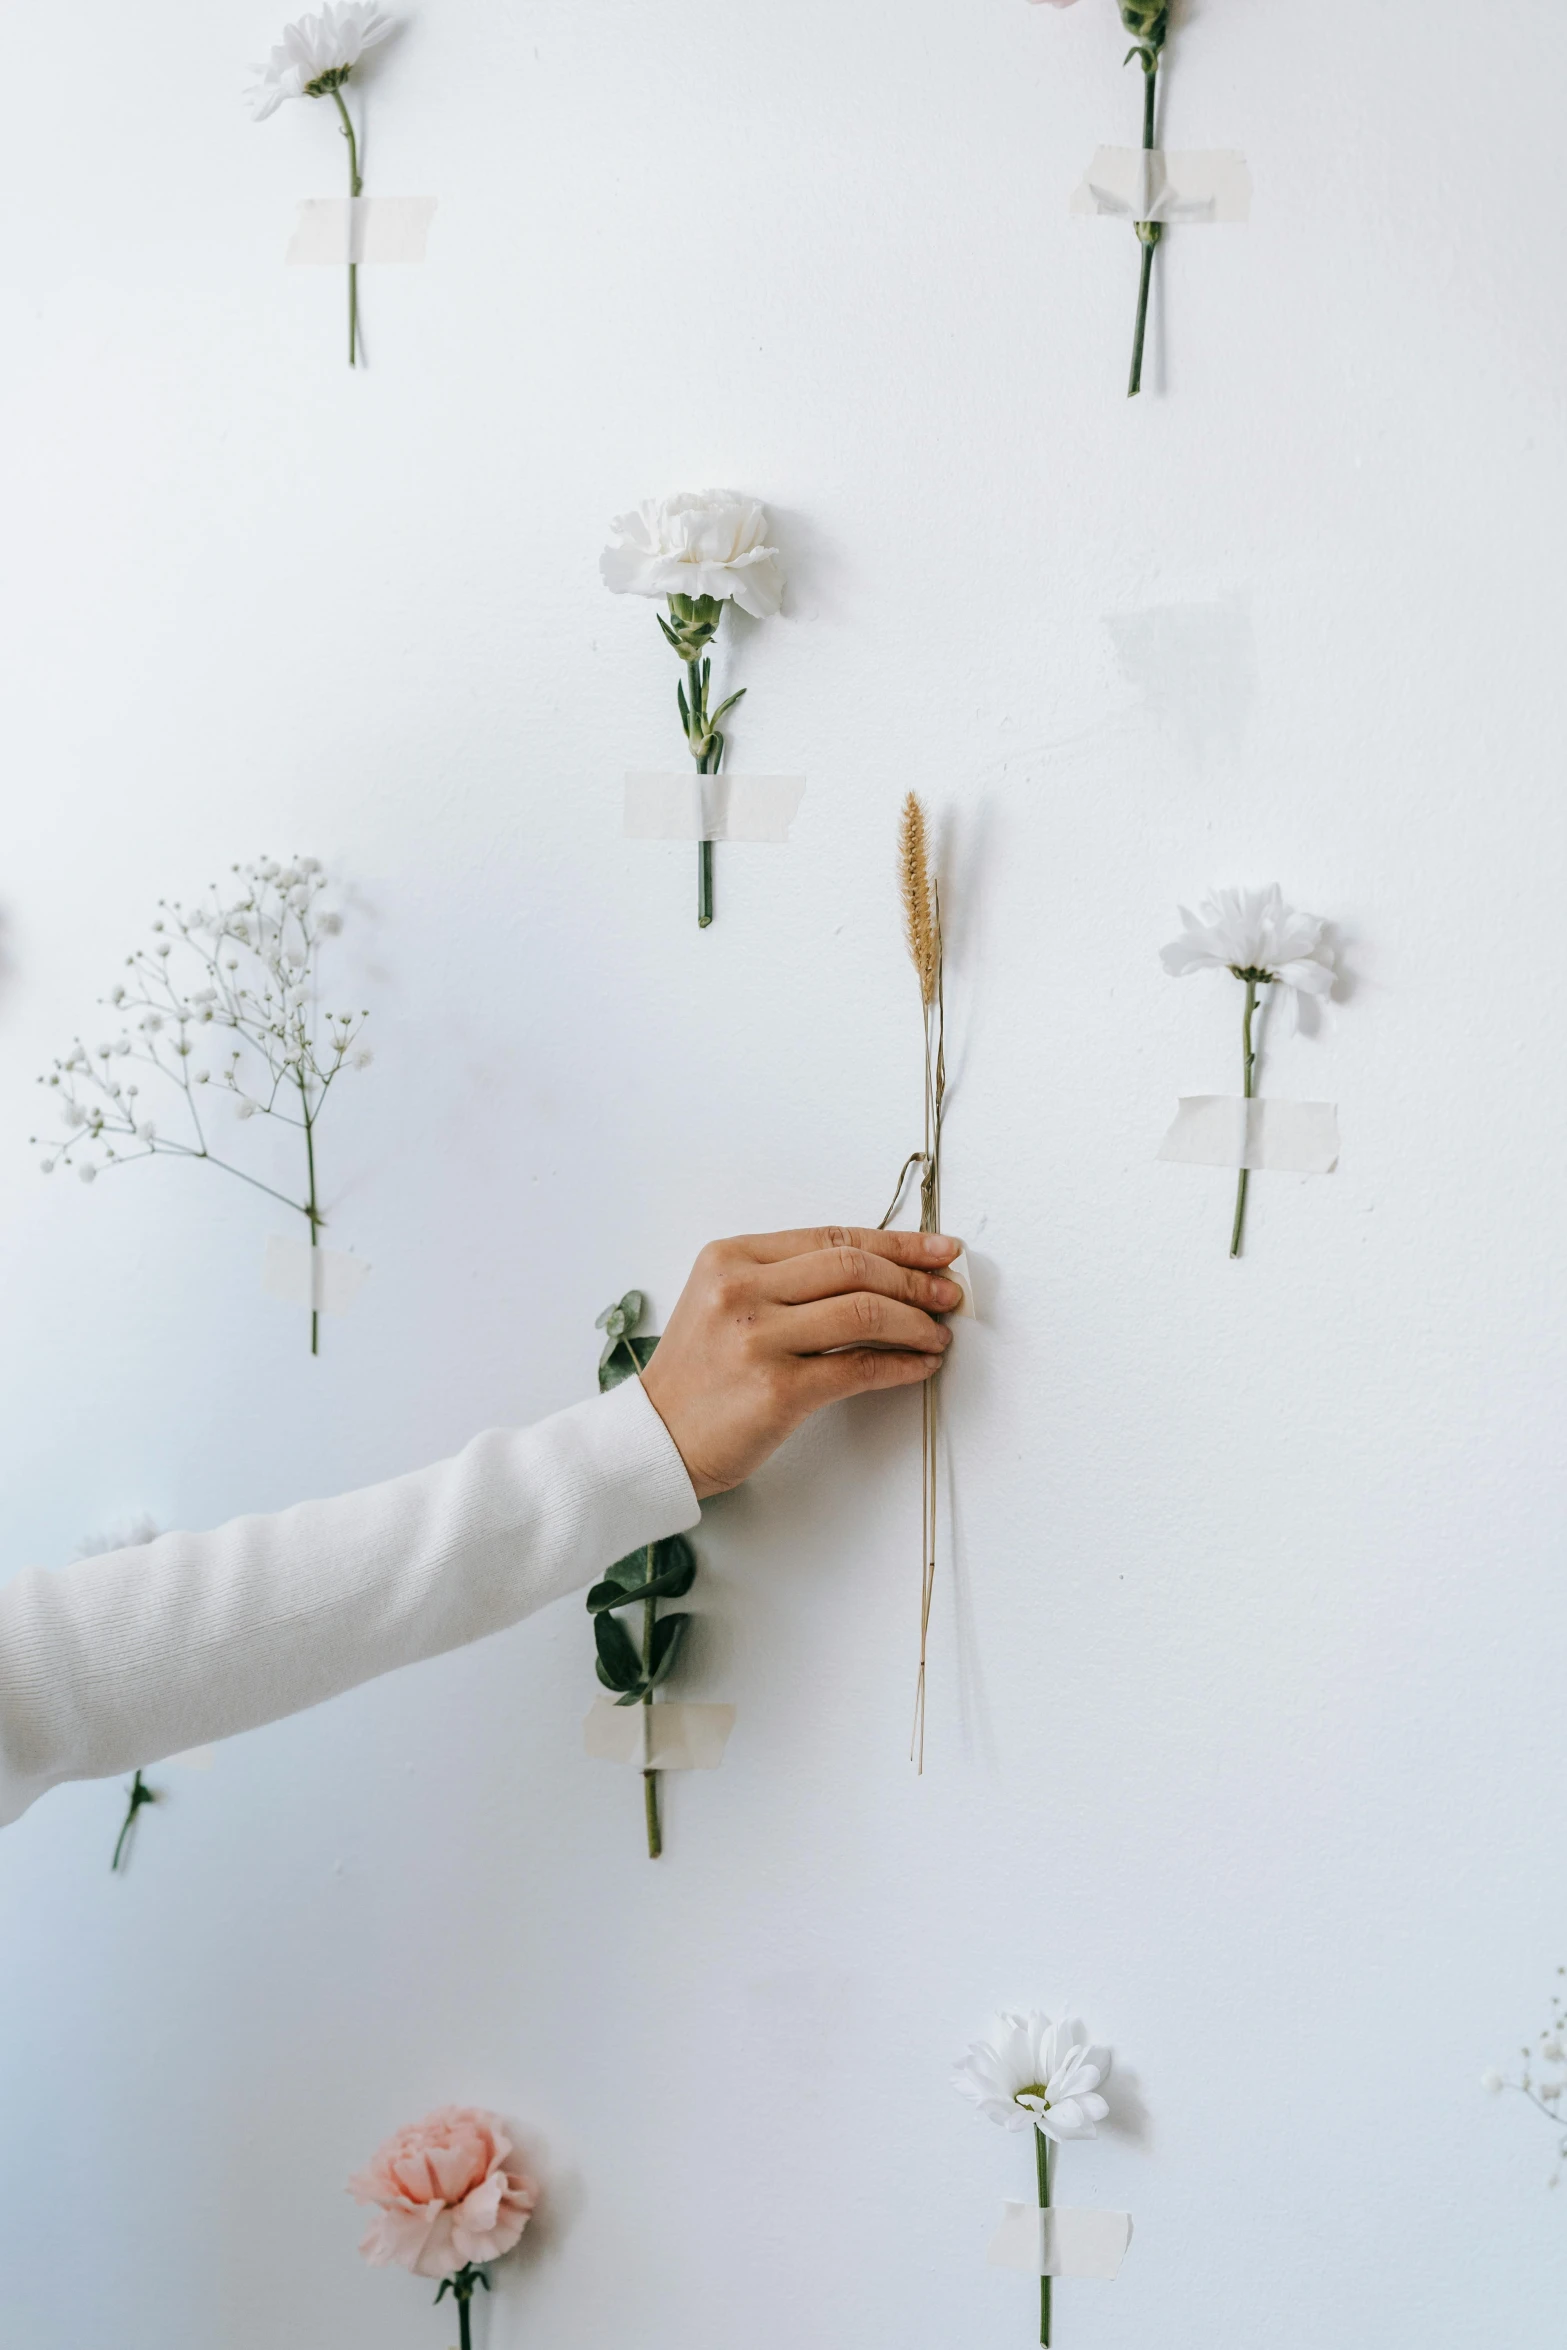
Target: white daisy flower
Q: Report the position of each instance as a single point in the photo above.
(1039, 2075)
(1254, 934)
(315, 57)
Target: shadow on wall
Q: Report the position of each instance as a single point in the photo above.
(1195, 666)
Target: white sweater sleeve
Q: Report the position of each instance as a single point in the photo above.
(120, 1660)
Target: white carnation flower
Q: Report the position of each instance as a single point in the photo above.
(1040, 2074)
(1253, 933)
(315, 56)
(701, 543)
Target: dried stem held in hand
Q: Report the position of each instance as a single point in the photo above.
(921, 896)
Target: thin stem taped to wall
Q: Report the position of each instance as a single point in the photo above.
(314, 60)
(921, 897)
(1149, 22)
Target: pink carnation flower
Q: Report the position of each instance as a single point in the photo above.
(447, 2194)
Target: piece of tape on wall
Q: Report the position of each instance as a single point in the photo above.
(712, 807)
(1223, 1130)
(1061, 2243)
(671, 1737)
(364, 229)
(1136, 183)
(327, 1280)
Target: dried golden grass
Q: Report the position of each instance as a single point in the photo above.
(921, 915)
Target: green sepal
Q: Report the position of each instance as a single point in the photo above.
(619, 1665)
(1147, 21)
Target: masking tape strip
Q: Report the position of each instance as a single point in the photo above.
(712, 807)
(1131, 183)
(1060, 2243)
(338, 229)
(658, 1737)
(1283, 1138)
(325, 1279)
(958, 1271)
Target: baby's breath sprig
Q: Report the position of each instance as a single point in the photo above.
(1543, 2080)
(224, 1001)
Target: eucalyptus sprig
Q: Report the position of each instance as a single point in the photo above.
(1148, 22)
(660, 1570)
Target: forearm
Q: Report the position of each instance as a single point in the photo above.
(119, 1660)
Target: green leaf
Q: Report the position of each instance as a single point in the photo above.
(676, 1567)
(619, 1666)
(724, 708)
(668, 1633)
(624, 1360)
(673, 1573)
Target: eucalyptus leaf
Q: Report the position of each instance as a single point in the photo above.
(668, 1633)
(619, 1665)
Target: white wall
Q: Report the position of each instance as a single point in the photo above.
(1246, 1707)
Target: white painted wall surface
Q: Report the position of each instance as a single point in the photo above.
(1247, 1729)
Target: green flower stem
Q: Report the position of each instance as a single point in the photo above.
(461, 2288)
(1149, 232)
(1248, 1073)
(314, 1214)
(701, 740)
(355, 187)
(655, 1834)
(1042, 2162)
(140, 1793)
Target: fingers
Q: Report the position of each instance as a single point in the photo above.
(862, 1371)
(900, 1248)
(864, 1318)
(833, 1272)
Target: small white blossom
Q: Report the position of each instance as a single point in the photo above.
(87, 1172)
(1039, 2074)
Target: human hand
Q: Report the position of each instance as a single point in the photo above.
(771, 1327)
